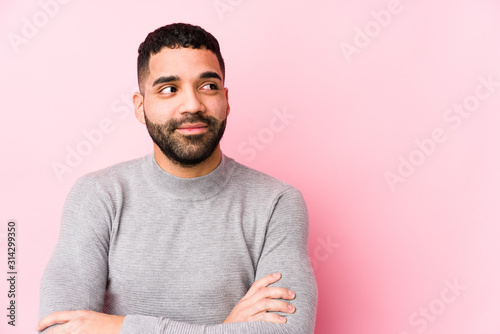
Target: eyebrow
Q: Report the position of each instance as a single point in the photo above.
(172, 78)
(166, 79)
(209, 75)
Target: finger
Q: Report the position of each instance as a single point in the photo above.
(275, 293)
(263, 282)
(269, 317)
(269, 293)
(60, 317)
(271, 305)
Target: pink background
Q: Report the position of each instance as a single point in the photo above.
(384, 256)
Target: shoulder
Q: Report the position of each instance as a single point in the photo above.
(119, 170)
(112, 178)
(259, 183)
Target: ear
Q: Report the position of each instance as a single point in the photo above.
(227, 101)
(138, 100)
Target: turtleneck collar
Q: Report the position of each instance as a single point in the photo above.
(195, 189)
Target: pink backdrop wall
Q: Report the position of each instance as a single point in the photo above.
(385, 113)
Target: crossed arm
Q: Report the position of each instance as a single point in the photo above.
(285, 250)
(256, 305)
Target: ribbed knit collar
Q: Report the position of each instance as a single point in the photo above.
(195, 189)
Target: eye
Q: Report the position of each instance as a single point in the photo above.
(168, 90)
(210, 86)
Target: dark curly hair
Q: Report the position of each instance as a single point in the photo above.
(176, 35)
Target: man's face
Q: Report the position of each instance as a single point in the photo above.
(185, 104)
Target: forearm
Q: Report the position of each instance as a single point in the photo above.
(153, 325)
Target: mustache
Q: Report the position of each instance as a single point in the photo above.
(190, 118)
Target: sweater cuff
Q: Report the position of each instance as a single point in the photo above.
(133, 324)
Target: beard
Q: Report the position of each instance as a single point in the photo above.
(187, 150)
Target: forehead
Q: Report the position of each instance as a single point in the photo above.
(184, 62)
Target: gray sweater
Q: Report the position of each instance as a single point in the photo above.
(176, 255)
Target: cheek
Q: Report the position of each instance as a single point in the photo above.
(158, 111)
(219, 108)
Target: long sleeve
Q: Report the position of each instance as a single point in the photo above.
(175, 255)
(76, 275)
(284, 251)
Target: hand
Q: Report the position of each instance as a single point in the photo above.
(81, 322)
(260, 300)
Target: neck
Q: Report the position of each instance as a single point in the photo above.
(198, 170)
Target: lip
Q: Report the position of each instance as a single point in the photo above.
(193, 128)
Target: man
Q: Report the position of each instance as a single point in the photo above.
(185, 240)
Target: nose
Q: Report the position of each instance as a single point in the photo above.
(191, 102)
